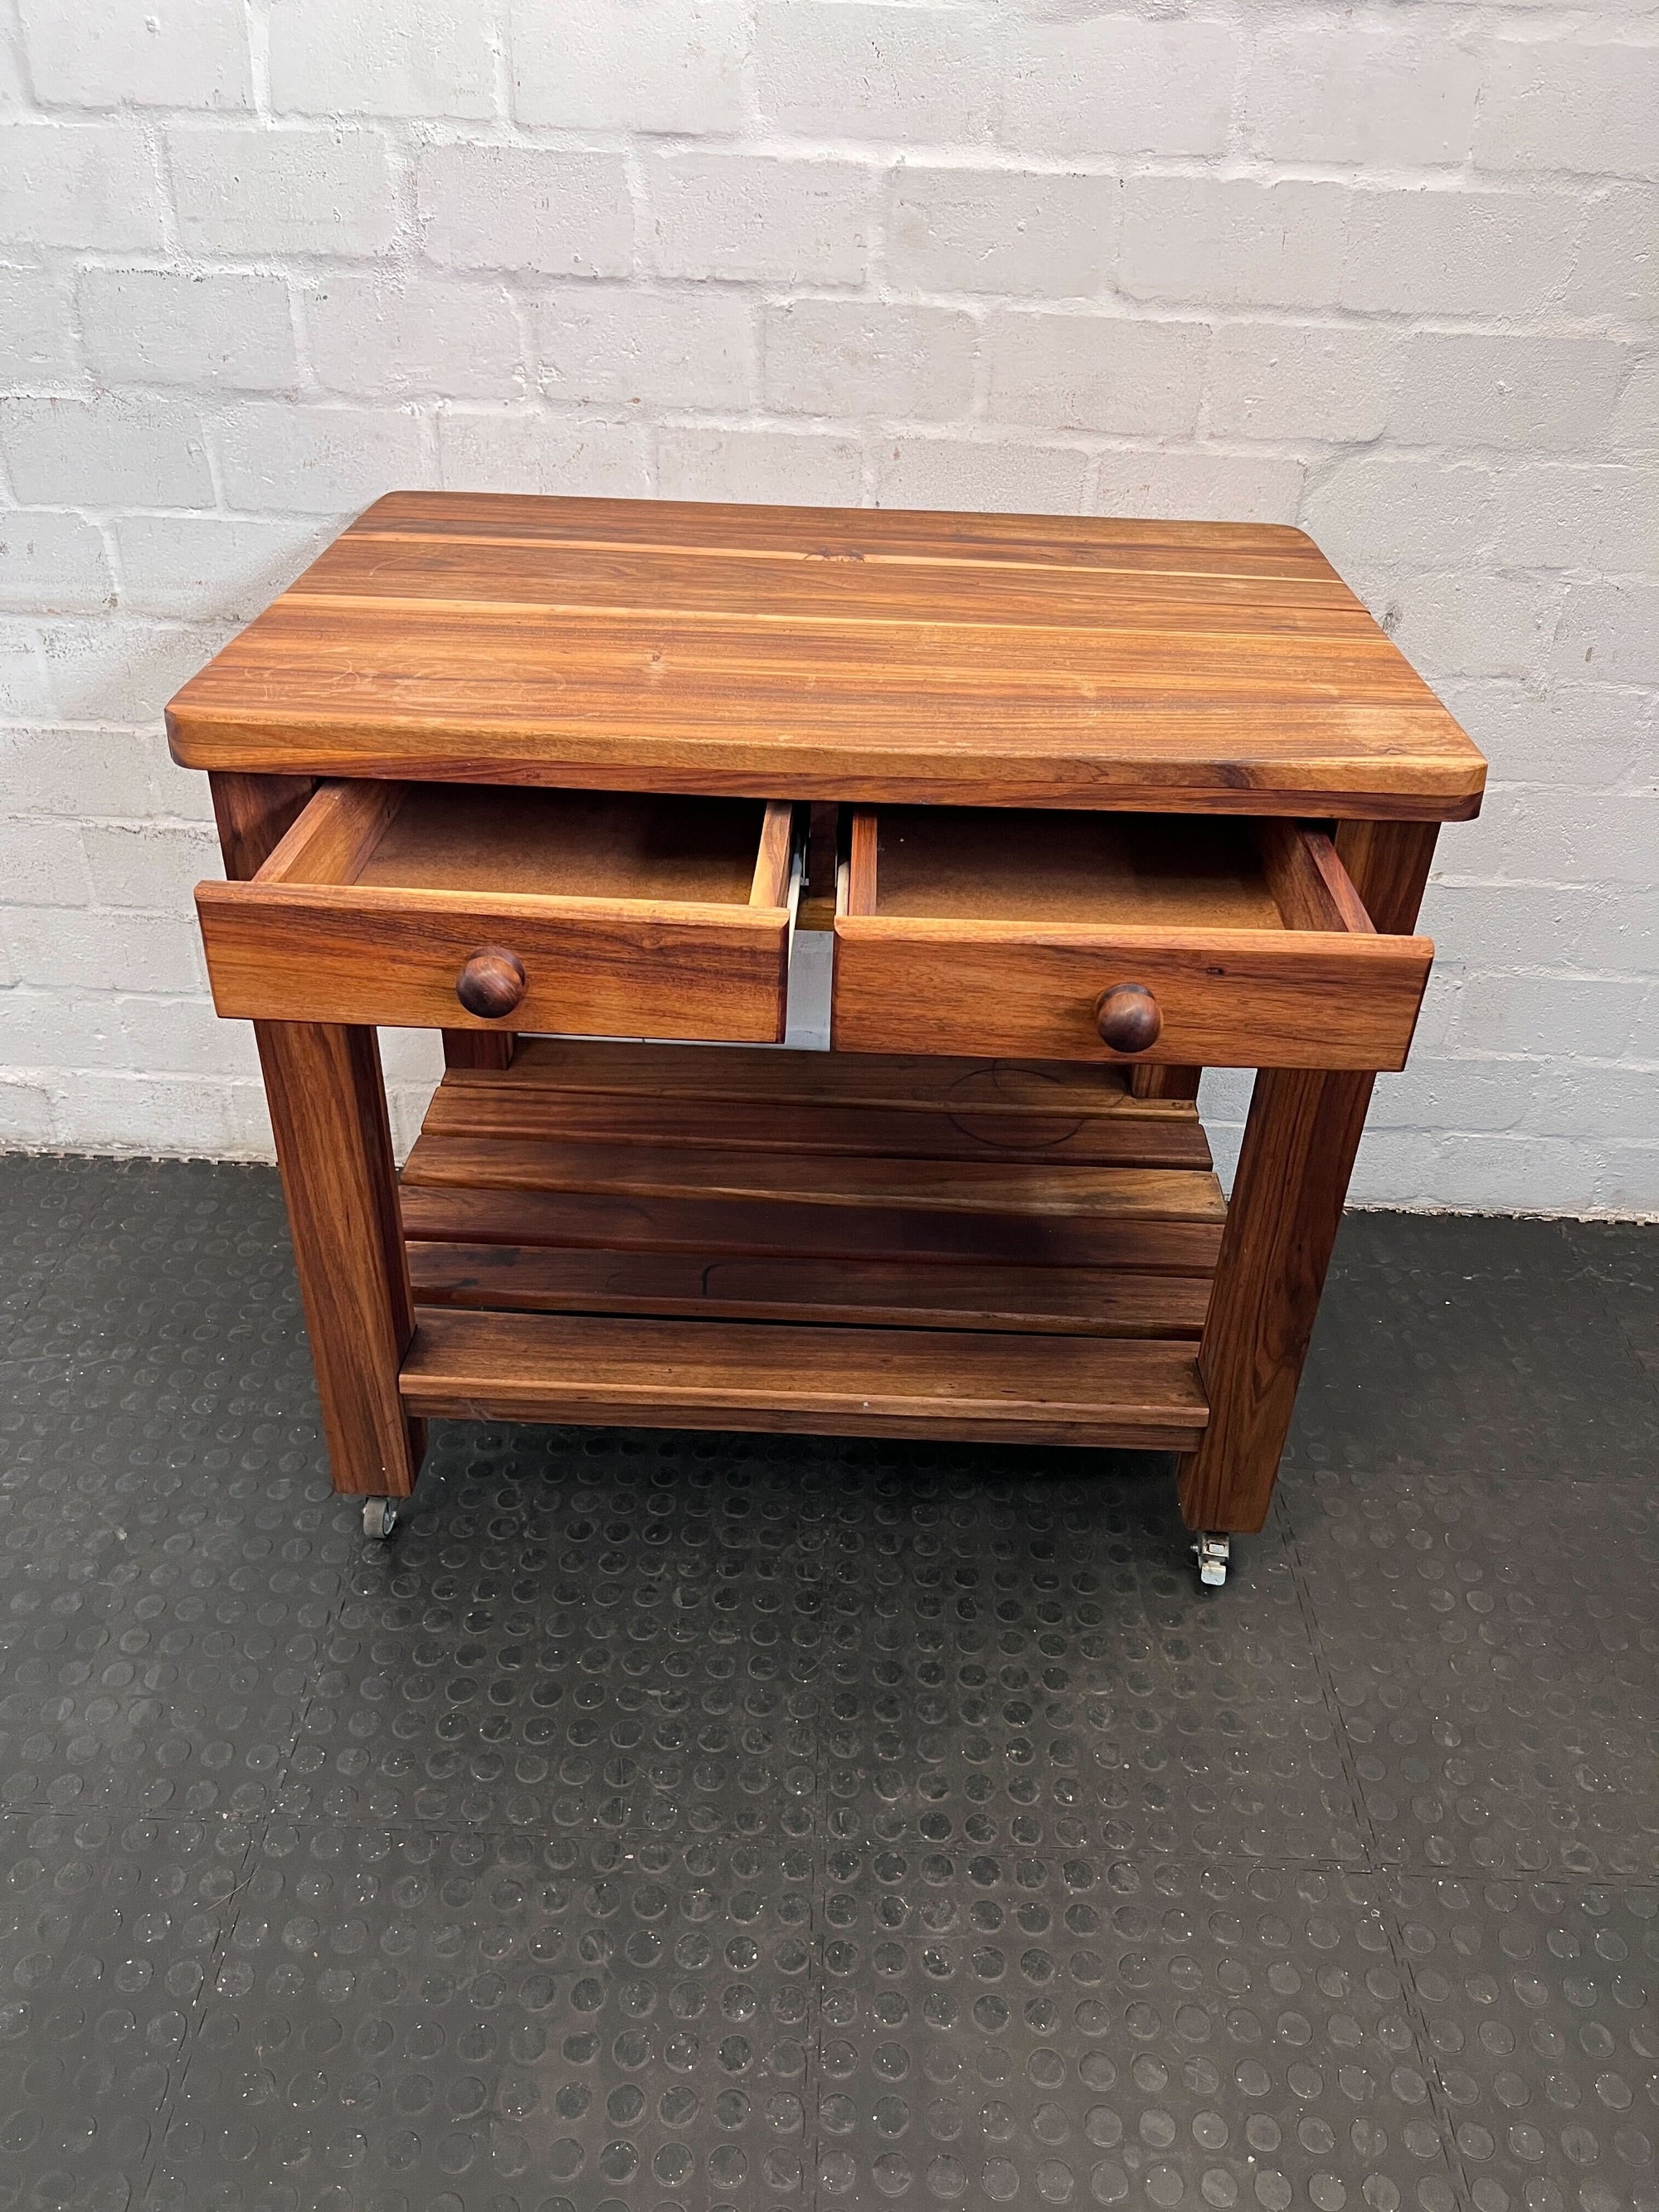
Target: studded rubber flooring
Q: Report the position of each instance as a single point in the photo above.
(667, 1821)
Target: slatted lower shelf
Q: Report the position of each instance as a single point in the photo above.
(836, 1244)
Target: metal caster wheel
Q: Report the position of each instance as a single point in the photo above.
(1212, 1553)
(379, 1518)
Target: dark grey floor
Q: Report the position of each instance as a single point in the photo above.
(691, 1821)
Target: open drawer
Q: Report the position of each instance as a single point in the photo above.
(460, 906)
(1206, 941)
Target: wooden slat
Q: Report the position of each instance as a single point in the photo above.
(989, 1089)
(1308, 881)
(769, 886)
(862, 851)
(1174, 1139)
(834, 1382)
(1054, 1301)
(1338, 884)
(1036, 1189)
(335, 835)
(781, 1228)
(812, 654)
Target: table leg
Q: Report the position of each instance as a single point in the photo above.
(1300, 1140)
(1148, 1081)
(334, 1148)
(490, 1049)
(327, 1104)
(254, 813)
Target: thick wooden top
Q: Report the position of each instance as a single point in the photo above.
(828, 652)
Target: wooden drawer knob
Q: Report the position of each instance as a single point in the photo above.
(492, 983)
(1128, 1017)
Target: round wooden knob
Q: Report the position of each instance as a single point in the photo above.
(492, 983)
(1128, 1017)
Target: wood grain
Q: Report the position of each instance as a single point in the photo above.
(863, 847)
(479, 1049)
(1168, 1139)
(1148, 1081)
(989, 864)
(787, 1228)
(391, 565)
(804, 1178)
(1300, 1140)
(1308, 882)
(818, 904)
(633, 914)
(808, 1102)
(830, 533)
(575, 844)
(1387, 865)
(253, 814)
(769, 881)
(334, 1148)
(368, 953)
(824, 654)
(1229, 998)
(1033, 1188)
(334, 1152)
(826, 1382)
(728, 1286)
(991, 1093)
(334, 837)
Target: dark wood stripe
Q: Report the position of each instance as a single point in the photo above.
(1054, 1301)
(1037, 1189)
(779, 1228)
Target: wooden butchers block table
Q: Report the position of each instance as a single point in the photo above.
(1090, 805)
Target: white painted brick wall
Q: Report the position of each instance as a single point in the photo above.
(1385, 269)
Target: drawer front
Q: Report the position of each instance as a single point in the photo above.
(363, 954)
(457, 907)
(1227, 997)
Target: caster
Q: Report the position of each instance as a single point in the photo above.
(1213, 1552)
(379, 1518)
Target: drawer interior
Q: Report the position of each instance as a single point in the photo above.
(1095, 871)
(471, 838)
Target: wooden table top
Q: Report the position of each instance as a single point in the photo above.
(828, 653)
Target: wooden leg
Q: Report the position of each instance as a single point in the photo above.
(1299, 1144)
(1149, 1082)
(254, 813)
(479, 1048)
(334, 1147)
